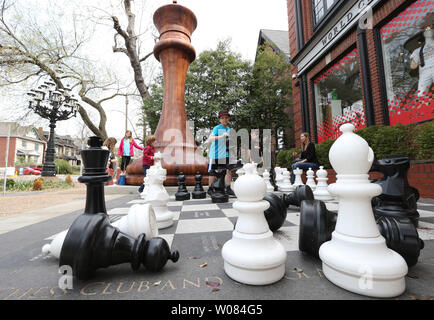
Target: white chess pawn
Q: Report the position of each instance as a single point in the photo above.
(266, 177)
(157, 195)
(140, 219)
(298, 172)
(310, 179)
(357, 258)
(286, 185)
(321, 192)
(253, 256)
(278, 177)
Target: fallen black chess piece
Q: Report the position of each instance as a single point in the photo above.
(276, 213)
(317, 225)
(92, 242)
(397, 199)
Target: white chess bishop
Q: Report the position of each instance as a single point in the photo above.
(298, 172)
(157, 195)
(266, 177)
(286, 185)
(357, 258)
(321, 192)
(253, 256)
(310, 179)
(140, 219)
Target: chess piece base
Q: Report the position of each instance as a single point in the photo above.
(220, 199)
(198, 194)
(323, 196)
(164, 217)
(182, 196)
(363, 265)
(255, 259)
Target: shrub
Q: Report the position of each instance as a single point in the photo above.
(322, 153)
(424, 141)
(285, 158)
(37, 184)
(62, 166)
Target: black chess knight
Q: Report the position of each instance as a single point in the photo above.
(182, 193)
(397, 199)
(217, 188)
(92, 242)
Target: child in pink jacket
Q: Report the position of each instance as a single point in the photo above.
(126, 150)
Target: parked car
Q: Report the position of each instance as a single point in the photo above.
(36, 167)
(28, 170)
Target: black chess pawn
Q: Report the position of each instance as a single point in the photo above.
(198, 192)
(218, 188)
(317, 225)
(182, 193)
(92, 242)
(397, 199)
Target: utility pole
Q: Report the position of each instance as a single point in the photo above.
(6, 161)
(126, 113)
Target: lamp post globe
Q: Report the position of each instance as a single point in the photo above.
(53, 103)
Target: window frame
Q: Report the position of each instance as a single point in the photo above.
(312, 86)
(326, 13)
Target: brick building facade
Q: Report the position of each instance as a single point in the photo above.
(364, 61)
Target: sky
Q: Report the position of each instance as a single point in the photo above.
(239, 20)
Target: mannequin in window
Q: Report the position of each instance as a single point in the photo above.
(423, 58)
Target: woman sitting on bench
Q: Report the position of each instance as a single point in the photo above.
(307, 159)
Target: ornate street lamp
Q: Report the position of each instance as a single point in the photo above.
(54, 104)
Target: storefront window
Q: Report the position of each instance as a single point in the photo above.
(338, 97)
(408, 56)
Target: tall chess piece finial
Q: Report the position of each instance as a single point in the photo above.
(357, 258)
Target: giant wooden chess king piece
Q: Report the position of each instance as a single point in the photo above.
(92, 242)
(357, 258)
(174, 138)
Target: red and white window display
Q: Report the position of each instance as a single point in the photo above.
(408, 57)
(338, 97)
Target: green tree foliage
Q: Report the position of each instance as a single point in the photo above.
(270, 92)
(218, 79)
